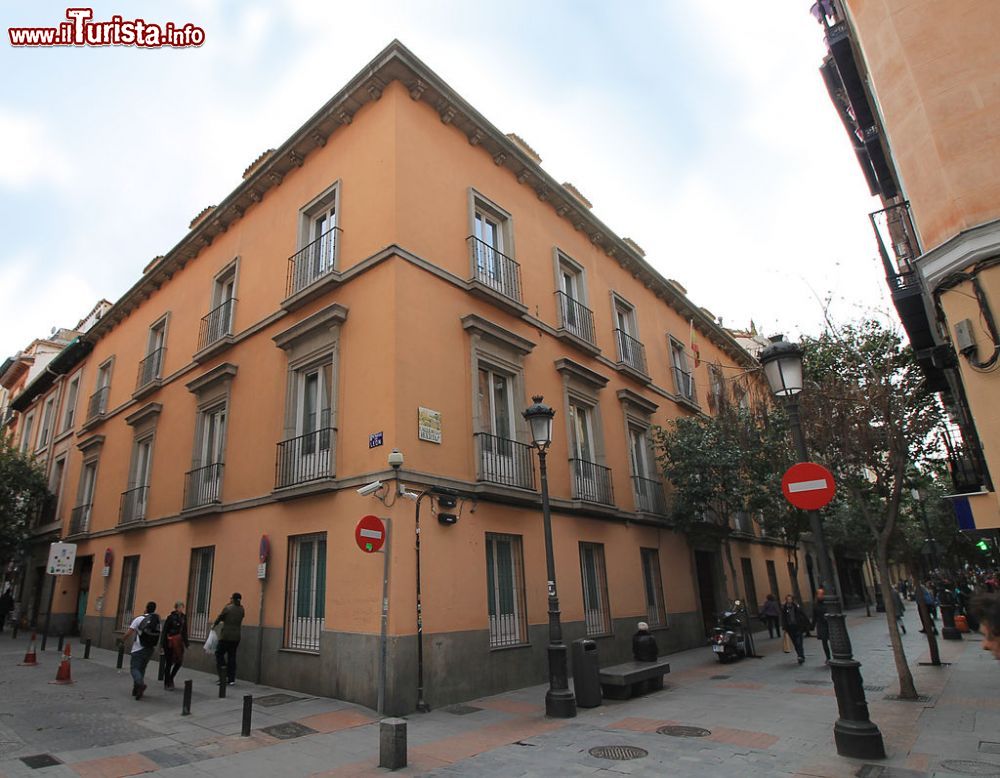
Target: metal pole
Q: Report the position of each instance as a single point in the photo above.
(86, 649)
(422, 706)
(186, 703)
(121, 654)
(855, 734)
(48, 615)
(384, 639)
(247, 713)
(560, 702)
(260, 634)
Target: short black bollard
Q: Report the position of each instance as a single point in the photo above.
(86, 649)
(247, 713)
(392, 743)
(13, 635)
(161, 673)
(121, 655)
(60, 643)
(222, 683)
(186, 704)
(44, 639)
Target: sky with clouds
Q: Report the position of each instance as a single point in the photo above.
(702, 130)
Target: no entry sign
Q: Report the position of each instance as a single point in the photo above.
(808, 486)
(370, 534)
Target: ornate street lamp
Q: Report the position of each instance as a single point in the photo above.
(560, 702)
(855, 734)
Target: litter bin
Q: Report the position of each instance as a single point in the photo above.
(586, 673)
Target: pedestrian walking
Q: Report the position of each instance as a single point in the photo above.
(770, 612)
(231, 620)
(6, 606)
(900, 610)
(930, 601)
(820, 624)
(794, 621)
(987, 610)
(644, 647)
(175, 641)
(145, 633)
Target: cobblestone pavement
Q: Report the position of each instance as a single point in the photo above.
(764, 717)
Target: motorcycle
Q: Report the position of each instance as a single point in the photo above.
(728, 639)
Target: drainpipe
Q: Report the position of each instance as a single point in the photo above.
(422, 706)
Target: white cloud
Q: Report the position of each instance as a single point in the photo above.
(34, 157)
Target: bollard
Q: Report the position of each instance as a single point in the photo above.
(121, 655)
(163, 668)
(86, 649)
(13, 635)
(60, 642)
(186, 704)
(247, 713)
(392, 743)
(222, 683)
(44, 638)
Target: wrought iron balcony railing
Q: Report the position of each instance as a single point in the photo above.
(312, 262)
(203, 486)
(133, 505)
(495, 269)
(98, 403)
(305, 458)
(649, 495)
(79, 519)
(576, 318)
(217, 324)
(592, 482)
(503, 461)
(684, 382)
(149, 368)
(631, 352)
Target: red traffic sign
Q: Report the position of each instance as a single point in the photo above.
(808, 486)
(370, 534)
(265, 549)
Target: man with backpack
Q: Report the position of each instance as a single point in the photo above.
(145, 630)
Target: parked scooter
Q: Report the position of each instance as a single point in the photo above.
(729, 636)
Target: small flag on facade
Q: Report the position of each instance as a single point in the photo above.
(695, 348)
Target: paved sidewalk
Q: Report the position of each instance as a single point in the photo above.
(766, 717)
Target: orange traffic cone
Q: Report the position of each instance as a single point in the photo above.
(63, 674)
(30, 660)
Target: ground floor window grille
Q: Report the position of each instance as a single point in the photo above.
(505, 590)
(597, 613)
(656, 615)
(200, 592)
(126, 596)
(305, 606)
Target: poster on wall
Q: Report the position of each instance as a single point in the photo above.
(429, 425)
(62, 558)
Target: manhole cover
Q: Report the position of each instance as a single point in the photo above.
(270, 700)
(38, 761)
(618, 753)
(462, 710)
(968, 767)
(683, 731)
(874, 687)
(719, 677)
(289, 730)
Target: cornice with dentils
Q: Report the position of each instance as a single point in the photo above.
(397, 63)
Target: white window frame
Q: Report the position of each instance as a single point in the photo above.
(506, 608)
(321, 213)
(223, 292)
(487, 267)
(303, 631)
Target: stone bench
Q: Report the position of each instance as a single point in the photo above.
(620, 682)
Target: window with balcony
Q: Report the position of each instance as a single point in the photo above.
(151, 366)
(683, 374)
(56, 479)
(646, 483)
(134, 499)
(631, 352)
(203, 483)
(217, 326)
(97, 406)
(656, 612)
(505, 591)
(200, 592)
(575, 318)
(126, 593)
(29, 427)
(80, 518)
(596, 611)
(305, 606)
(491, 249)
(317, 256)
(717, 394)
(69, 410)
(48, 411)
(591, 479)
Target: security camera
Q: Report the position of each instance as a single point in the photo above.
(371, 488)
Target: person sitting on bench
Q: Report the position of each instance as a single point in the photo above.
(644, 648)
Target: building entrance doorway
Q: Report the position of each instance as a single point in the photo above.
(85, 566)
(704, 563)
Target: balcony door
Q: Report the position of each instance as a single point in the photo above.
(143, 461)
(496, 414)
(212, 447)
(312, 422)
(322, 237)
(570, 285)
(582, 450)
(489, 250)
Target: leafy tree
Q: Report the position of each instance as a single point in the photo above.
(869, 417)
(23, 494)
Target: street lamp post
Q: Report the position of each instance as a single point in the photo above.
(560, 702)
(855, 734)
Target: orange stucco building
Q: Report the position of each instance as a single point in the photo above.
(398, 274)
(915, 84)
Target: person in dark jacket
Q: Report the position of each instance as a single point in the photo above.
(231, 619)
(6, 606)
(770, 612)
(175, 641)
(819, 621)
(644, 648)
(794, 621)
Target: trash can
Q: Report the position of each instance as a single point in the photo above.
(586, 673)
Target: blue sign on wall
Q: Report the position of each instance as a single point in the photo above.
(375, 439)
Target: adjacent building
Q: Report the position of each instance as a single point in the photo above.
(398, 274)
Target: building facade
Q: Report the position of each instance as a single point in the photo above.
(915, 85)
(398, 274)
